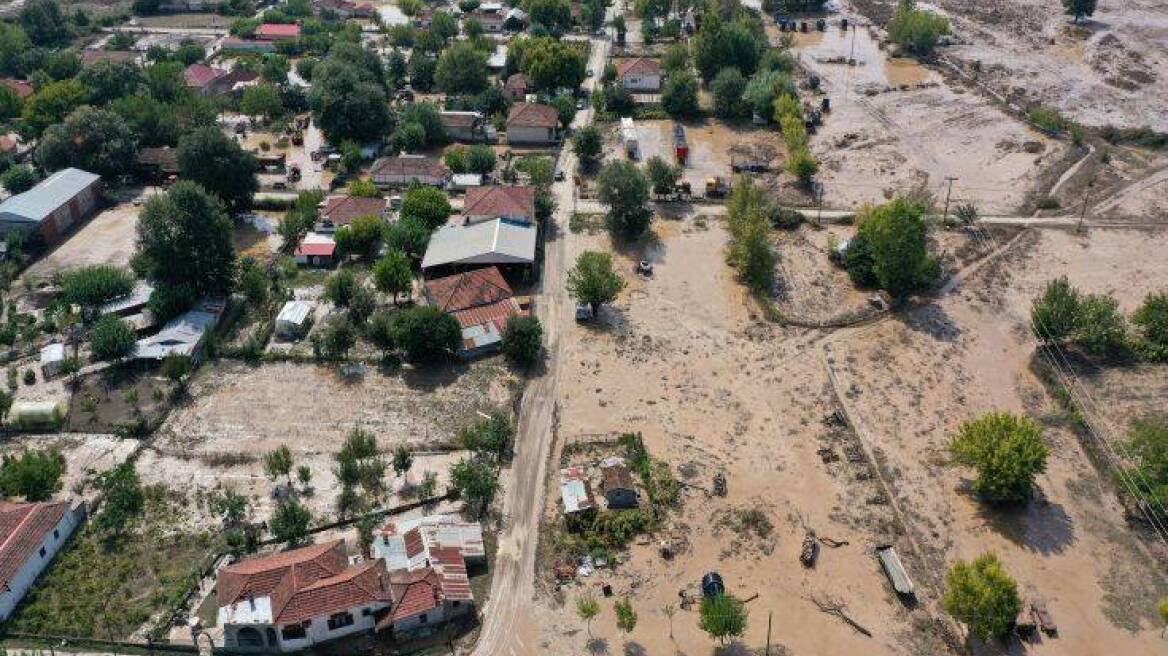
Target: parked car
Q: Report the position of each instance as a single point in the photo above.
(559, 176)
(583, 312)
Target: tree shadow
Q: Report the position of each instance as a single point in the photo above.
(634, 649)
(734, 648)
(1041, 526)
(933, 321)
(597, 646)
(430, 376)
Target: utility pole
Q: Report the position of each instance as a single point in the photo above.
(1083, 212)
(948, 193)
(770, 615)
(819, 212)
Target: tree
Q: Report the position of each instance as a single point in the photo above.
(426, 204)
(426, 333)
(803, 165)
(43, 23)
(34, 475)
(184, 240)
(676, 58)
(719, 45)
(565, 110)
(262, 100)
(764, 89)
(403, 460)
(110, 80)
(491, 437)
(275, 69)
(409, 137)
(425, 114)
(455, 159)
(19, 179)
(587, 608)
(422, 69)
(289, 524)
(1006, 450)
(168, 301)
(723, 617)
(362, 237)
(555, 15)
(410, 235)
(1054, 314)
(1079, 8)
(480, 159)
(1100, 328)
(363, 189)
(1146, 447)
(215, 161)
(93, 285)
(10, 104)
(278, 463)
(918, 30)
(392, 274)
(727, 89)
(549, 63)
(593, 281)
(112, 338)
(1151, 321)
(522, 340)
(379, 330)
(304, 476)
(981, 595)
(231, 506)
(14, 44)
(91, 139)
(122, 497)
(586, 143)
(477, 482)
(662, 175)
(625, 189)
(462, 69)
(348, 95)
(626, 617)
(896, 234)
(52, 103)
(679, 98)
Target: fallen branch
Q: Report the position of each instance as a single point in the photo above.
(750, 598)
(834, 544)
(832, 607)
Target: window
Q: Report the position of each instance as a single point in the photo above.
(422, 618)
(293, 632)
(56, 534)
(366, 612)
(455, 604)
(42, 552)
(340, 621)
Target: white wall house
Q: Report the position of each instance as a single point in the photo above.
(640, 74)
(32, 535)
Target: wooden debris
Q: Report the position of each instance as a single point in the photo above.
(834, 544)
(810, 550)
(835, 608)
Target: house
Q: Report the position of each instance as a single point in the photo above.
(497, 242)
(292, 600)
(468, 127)
(423, 18)
(617, 484)
(493, 202)
(492, 21)
(31, 534)
(532, 123)
(338, 211)
(427, 559)
(294, 320)
(53, 206)
(344, 9)
(316, 250)
(403, 170)
(517, 87)
(575, 491)
(277, 31)
(159, 160)
(184, 335)
(515, 18)
(208, 81)
(52, 358)
(639, 74)
(232, 44)
(21, 88)
(480, 301)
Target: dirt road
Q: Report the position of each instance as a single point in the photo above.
(507, 629)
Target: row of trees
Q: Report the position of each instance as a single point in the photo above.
(1094, 323)
(750, 250)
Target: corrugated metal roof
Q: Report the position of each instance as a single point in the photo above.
(895, 571)
(42, 200)
(294, 312)
(574, 490)
(491, 242)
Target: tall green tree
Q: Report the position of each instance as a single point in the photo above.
(462, 69)
(679, 97)
(392, 274)
(348, 97)
(722, 617)
(109, 80)
(897, 236)
(1006, 450)
(1146, 447)
(727, 89)
(593, 280)
(34, 475)
(625, 189)
(1079, 8)
(1053, 315)
(477, 482)
(426, 204)
(111, 339)
(122, 498)
(426, 333)
(218, 163)
(44, 24)
(981, 595)
(184, 240)
(52, 103)
(91, 139)
(289, 524)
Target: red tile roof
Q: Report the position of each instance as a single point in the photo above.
(201, 75)
(318, 249)
(467, 290)
(532, 115)
(304, 583)
(23, 527)
(496, 313)
(638, 66)
(275, 31)
(19, 87)
(414, 545)
(495, 202)
(517, 84)
(455, 584)
(341, 210)
(413, 593)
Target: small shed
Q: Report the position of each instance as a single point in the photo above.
(617, 484)
(294, 319)
(52, 357)
(37, 415)
(464, 181)
(629, 136)
(894, 569)
(574, 491)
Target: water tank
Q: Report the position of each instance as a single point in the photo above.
(712, 585)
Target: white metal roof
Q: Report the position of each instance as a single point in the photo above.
(183, 334)
(51, 353)
(490, 242)
(51, 193)
(294, 312)
(574, 491)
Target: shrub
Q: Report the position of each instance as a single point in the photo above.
(723, 617)
(91, 286)
(917, 30)
(1147, 448)
(34, 475)
(981, 595)
(522, 340)
(1006, 450)
(1151, 321)
(1047, 119)
(1054, 314)
(426, 333)
(112, 339)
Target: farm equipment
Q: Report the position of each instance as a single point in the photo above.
(717, 187)
(629, 136)
(680, 145)
(682, 191)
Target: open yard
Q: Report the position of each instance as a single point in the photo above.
(107, 238)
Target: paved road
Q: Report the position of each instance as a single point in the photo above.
(508, 627)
